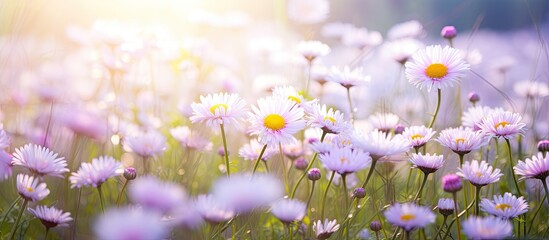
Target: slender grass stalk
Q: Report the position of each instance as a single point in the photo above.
(101, 198)
(546, 190)
(47, 233)
(325, 195)
(441, 226)
(284, 170)
(418, 194)
(346, 196)
(227, 166)
(511, 166)
(76, 214)
(310, 195)
(536, 213)
(374, 162)
(439, 96)
(477, 200)
(308, 167)
(8, 211)
(351, 109)
(259, 158)
(456, 210)
(310, 66)
(16, 224)
(48, 125)
(121, 193)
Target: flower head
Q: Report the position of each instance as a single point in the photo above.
(448, 32)
(385, 122)
(308, 11)
(479, 174)
(531, 89)
(451, 183)
(418, 135)
(324, 230)
(535, 167)
(290, 93)
(151, 193)
(380, 144)
(289, 210)
(472, 118)
(312, 49)
(446, 206)
(191, 139)
(5, 165)
(462, 140)
(506, 206)
(96, 173)
(5, 140)
(40, 160)
(408, 29)
(348, 78)
(221, 108)
(146, 144)
(345, 160)
(251, 151)
(30, 189)
(51, 217)
(427, 163)
(436, 68)
(328, 120)
(409, 216)
(490, 227)
(131, 224)
(503, 124)
(213, 210)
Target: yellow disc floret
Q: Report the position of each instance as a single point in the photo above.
(416, 136)
(501, 124)
(215, 107)
(436, 70)
(407, 217)
(295, 99)
(331, 119)
(503, 206)
(274, 122)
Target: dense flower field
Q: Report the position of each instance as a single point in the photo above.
(294, 128)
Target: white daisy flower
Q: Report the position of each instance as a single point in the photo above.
(345, 160)
(324, 230)
(213, 210)
(503, 124)
(96, 173)
(250, 151)
(479, 174)
(446, 206)
(40, 160)
(472, 118)
(436, 68)
(478, 228)
(531, 89)
(418, 136)
(506, 206)
(308, 11)
(328, 120)
(409, 216)
(289, 92)
(348, 78)
(146, 144)
(51, 217)
(311, 50)
(31, 189)
(409, 29)
(361, 38)
(385, 122)
(191, 139)
(379, 144)
(221, 108)
(289, 210)
(462, 140)
(427, 163)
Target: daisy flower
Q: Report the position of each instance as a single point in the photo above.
(328, 120)
(427, 163)
(446, 206)
(531, 89)
(330, 143)
(289, 92)
(4, 138)
(361, 38)
(536, 167)
(308, 11)
(96, 173)
(250, 151)
(151, 193)
(51, 217)
(348, 78)
(490, 227)
(275, 120)
(130, 224)
(436, 68)
(402, 49)
(221, 108)
(146, 144)
(409, 29)
(479, 174)
(324, 230)
(472, 118)
(418, 136)
(345, 160)
(5, 165)
(462, 140)
(289, 210)
(409, 216)
(503, 124)
(30, 189)
(293, 151)
(379, 144)
(190, 139)
(310, 50)
(213, 210)
(506, 206)
(384, 121)
(40, 160)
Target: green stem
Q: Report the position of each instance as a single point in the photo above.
(439, 95)
(511, 166)
(8, 211)
(76, 214)
(351, 110)
(456, 210)
(346, 196)
(546, 190)
(308, 167)
(454, 220)
(227, 166)
(14, 229)
(308, 78)
(374, 161)
(477, 200)
(310, 195)
(121, 193)
(259, 159)
(461, 159)
(101, 198)
(47, 233)
(418, 195)
(465, 197)
(284, 170)
(441, 226)
(325, 195)
(536, 213)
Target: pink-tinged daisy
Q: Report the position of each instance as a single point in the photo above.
(289, 210)
(385, 122)
(190, 139)
(311, 50)
(503, 124)
(418, 136)
(244, 193)
(409, 216)
(146, 144)
(324, 230)
(345, 160)
(361, 38)
(328, 120)
(293, 151)
(96, 173)
(131, 224)
(186, 216)
(4, 138)
(213, 210)
(506, 206)
(531, 89)
(462, 140)
(152, 193)
(446, 206)
(40, 160)
(479, 174)
(221, 108)
(427, 163)
(472, 118)
(51, 217)
(330, 143)
(478, 228)
(436, 68)
(401, 50)
(348, 78)
(289, 92)
(536, 167)
(275, 120)
(31, 189)
(380, 144)
(5, 165)
(250, 151)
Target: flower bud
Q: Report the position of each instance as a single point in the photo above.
(543, 146)
(301, 164)
(375, 226)
(448, 32)
(314, 174)
(451, 183)
(359, 193)
(474, 97)
(130, 173)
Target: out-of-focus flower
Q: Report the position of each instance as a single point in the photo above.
(40, 160)
(96, 173)
(379, 144)
(503, 124)
(289, 210)
(436, 68)
(130, 224)
(84, 122)
(5, 165)
(462, 140)
(536, 167)
(336, 29)
(448, 32)
(385, 122)
(361, 38)
(446, 206)
(543, 146)
(472, 118)
(473, 97)
(289, 92)
(328, 120)
(490, 227)
(348, 78)
(151, 193)
(427, 163)
(345, 160)
(294, 150)
(409, 29)
(250, 151)
(221, 108)
(506, 206)
(418, 136)
(451, 183)
(312, 49)
(324, 230)
(213, 210)
(308, 11)
(31, 189)
(409, 216)
(402, 49)
(191, 139)
(479, 174)
(531, 89)
(146, 144)
(364, 234)
(5, 139)
(51, 217)
(275, 120)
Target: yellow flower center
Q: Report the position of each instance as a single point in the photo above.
(407, 217)
(331, 119)
(458, 140)
(29, 189)
(479, 174)
(503, 206)
(295, 99)
(436, 70)
(501, 124)
(416, 136)
(215, 107)
(343, 160)
(274, 122)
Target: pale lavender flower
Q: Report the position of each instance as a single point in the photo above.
(151, 193)
(490, 227)
(213, 210)
(131, 224)
(40, 160)
(96, 173)
(380, 144)
(427, 163)
(51, 217)
(5, 165)
(324, 230)
(506, 206)
(503, 124)
(329, 120)
(479, 174)
(31, 189)
(345, 160)
(535, 167)
(221, 108)
(418, 136)
(250, 151)
(409, 216)
(289, 210)
(146, 144)
(348, 78)
(462, 140)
